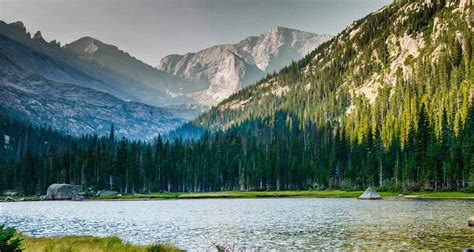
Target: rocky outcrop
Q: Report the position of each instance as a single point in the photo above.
(38, 36)
(63, 192)
(370, 194)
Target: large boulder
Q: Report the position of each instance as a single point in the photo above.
(370, 194)
(63, 192)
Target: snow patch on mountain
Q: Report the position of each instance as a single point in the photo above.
(91, 48)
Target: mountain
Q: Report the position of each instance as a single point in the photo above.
(71, 85)
(421, 44)
(224, 69)
(77, 110)
(143, 83)
(90, 63)
(386, 103)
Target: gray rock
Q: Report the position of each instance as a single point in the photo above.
(77, 198)
(107, 193)
(9, 199)
(10, 193)
(62, 192)
(370, 194)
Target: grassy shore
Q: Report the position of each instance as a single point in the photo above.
(87, 243)
(237, 194)
(440, 195)
(276, 194)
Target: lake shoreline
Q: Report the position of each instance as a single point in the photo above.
(265, 194)
(202, 224)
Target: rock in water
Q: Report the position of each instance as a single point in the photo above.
(107, 193)
(470, 221)
(370, 194)
(9, 199)
(63, 192)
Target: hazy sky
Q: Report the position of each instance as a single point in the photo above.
(150, 30)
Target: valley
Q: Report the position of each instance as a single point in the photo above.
(270, 139)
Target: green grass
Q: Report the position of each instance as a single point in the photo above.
(272, 194)
(88, 243)
(237, 194)
(441, 195)
(140, 196)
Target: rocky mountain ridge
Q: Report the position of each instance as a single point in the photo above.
(93, 64)
(85, 92)
(228, 68)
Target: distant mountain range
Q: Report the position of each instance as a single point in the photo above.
(224, 69)
(79, 110)
(85, 86)
(90, 63)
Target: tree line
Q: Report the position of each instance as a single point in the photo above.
(270, 154)
(417, 133)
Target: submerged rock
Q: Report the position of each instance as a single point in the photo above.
(107, 193)
(62, 192)
(370, 194)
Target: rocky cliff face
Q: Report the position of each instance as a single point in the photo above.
(225, 69)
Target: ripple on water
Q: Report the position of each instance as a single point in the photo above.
(302, 223)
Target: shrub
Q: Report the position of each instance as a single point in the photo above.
(7, 242)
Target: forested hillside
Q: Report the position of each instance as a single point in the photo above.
(400, 78)
(386, 103)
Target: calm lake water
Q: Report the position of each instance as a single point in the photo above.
(284, 223)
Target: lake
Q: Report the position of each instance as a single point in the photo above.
(276, 223)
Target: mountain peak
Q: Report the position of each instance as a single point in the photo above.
(19, 25)
(87, 45)
(280, 29)
(38, 36)
(227, 68)
(91, 48)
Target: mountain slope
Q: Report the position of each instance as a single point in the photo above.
(386, 103)
(78, 110)
(225, 69)
(405, 43)
(146, 78)
(90, 63)
(87, 79)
